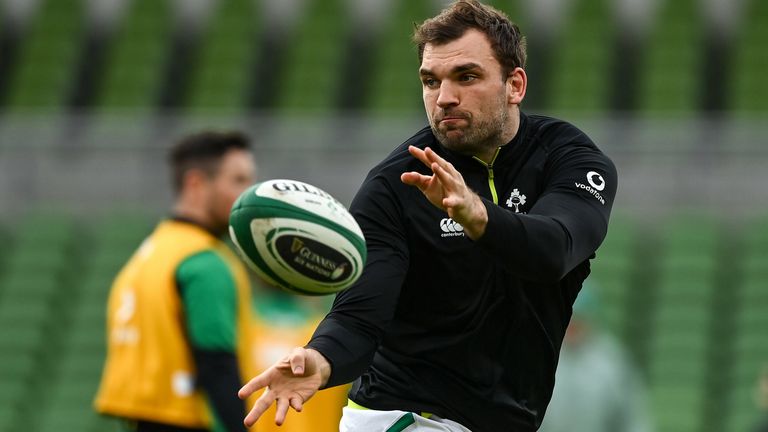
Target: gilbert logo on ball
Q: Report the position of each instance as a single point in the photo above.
(296, 236)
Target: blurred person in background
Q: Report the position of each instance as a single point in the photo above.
(283, 321)
(597, 388)
(479, 230)
(762, 399)
(179, 316)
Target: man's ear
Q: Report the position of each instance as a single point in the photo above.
(517, 82)
(194, 179)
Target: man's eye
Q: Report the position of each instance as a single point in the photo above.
(468, 77)
(430, 82)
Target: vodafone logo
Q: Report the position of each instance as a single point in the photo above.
(451, 228)
(596, 185)
(599, 184)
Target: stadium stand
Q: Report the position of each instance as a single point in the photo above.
(680, 321)
(47, 55)
(396, 87)
(133, 71)
(750, 61)
(32, 282)
(311, 77)
(751, 345)
(225, 59)
(612, 275)
(581, 79)
(76, 372)
(672, 57)
(572, 65)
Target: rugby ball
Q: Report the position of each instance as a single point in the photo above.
(298, 237)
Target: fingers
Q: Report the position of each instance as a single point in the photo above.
(281, 411)
(415, 179)
(427, 156)
(437, 164)
(261, 405)
(435, 159)
(252, 386)
(441, 173)
(419, 154)
(297, 361)
(449, 181)
(282, 381)
(297, 403)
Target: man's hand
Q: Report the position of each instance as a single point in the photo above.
(289, 382)
(446, 189)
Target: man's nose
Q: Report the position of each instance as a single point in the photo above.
(448, 95)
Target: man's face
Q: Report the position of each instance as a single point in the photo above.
(465, 95)
(237, 171)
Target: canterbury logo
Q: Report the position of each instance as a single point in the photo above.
(451, 228)
(450, 225)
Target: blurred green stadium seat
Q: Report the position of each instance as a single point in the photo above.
(677, 366)
(671, 78)
(10, 393)
(87, 336)
(136, 57)
(312, 77)
(78, 367)
(64, 417)
(27, 259)
(20, 349)
(396, 87)
(7, 413)
(681, 320)
(105, 424)
(48, 55)
(749, 94)
(741, 404)
(750, 353)
(227, 52)
(133, 72)
(110, 260)
(18, 311)
(581, 70)
(121, 229)
(115, 239)
(612, 273)
(96, 286)
(673, 405)
(16, 366)
(43, 228)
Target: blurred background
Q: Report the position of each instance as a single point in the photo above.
(92, 92)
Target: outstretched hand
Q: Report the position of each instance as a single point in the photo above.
(446, 189)
(289, 382)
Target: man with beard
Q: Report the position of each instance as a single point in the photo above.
(479, 231)
(179, 312)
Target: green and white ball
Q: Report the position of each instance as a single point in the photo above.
(298, 237)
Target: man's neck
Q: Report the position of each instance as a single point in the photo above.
(194, 215)
(505, 137)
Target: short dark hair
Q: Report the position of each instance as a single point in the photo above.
(507, 42)
(203, 151)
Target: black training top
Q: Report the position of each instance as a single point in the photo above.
(471, 330)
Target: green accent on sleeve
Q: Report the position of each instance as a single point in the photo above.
(209, 295)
